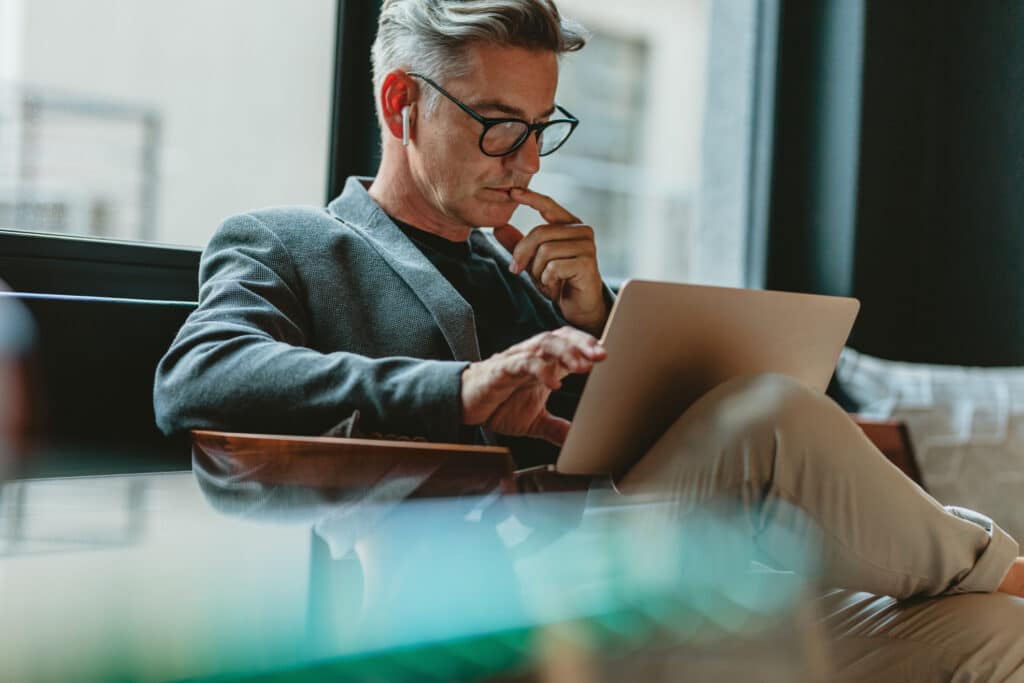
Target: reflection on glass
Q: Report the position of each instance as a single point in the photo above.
(16, 339)
(103, 516)
(229, 576)
(465, 580)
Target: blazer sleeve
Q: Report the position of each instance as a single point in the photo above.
(240, 361)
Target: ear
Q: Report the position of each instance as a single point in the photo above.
(397, 92)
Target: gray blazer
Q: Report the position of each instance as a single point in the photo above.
(306, 315)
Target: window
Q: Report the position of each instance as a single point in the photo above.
(660, 164)
(154, 120)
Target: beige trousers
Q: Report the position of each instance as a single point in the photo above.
(913, 580)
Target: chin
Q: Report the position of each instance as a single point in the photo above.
(493, 215)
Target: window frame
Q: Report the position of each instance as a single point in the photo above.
(355, 133)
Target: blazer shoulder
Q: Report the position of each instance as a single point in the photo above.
(297, 228)
(286, 220)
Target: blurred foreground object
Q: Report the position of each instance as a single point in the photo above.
(15, 344)
(174, 576)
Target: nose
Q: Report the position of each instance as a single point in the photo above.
(526, 159)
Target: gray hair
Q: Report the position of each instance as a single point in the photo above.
(432, 37)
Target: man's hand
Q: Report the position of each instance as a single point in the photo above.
(561, 258)
(508, 392)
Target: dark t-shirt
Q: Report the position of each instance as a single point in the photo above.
(505, 315)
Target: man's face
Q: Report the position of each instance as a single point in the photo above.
(452, 173)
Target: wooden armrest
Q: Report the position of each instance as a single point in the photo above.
(450, 469)
(339, 464)
(893, 439)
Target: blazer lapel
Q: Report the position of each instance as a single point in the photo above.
(453, 314)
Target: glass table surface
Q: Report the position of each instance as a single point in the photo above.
(187, 576)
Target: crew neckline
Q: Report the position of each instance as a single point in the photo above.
(434, 241)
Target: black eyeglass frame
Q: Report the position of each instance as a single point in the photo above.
(488, 123)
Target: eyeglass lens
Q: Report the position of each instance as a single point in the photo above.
(503, 137)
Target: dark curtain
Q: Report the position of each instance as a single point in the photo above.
(897, 178)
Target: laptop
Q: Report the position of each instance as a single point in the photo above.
(668, 344)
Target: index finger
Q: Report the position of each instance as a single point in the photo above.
(552, 211)
(590, 345)
(566, 343)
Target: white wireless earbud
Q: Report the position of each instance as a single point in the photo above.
(405, 126)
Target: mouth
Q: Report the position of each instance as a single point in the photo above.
(508, 187)
(502, 190)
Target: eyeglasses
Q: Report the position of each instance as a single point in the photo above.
(505, 135)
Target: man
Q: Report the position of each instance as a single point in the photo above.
(391, 309)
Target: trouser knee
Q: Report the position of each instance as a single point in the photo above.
(739, 430)
(768, 416)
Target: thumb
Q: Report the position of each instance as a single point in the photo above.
(550, 428)
(508, 235)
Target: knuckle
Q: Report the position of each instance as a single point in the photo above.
(527, 240)
(551, 344)
(545, 339)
